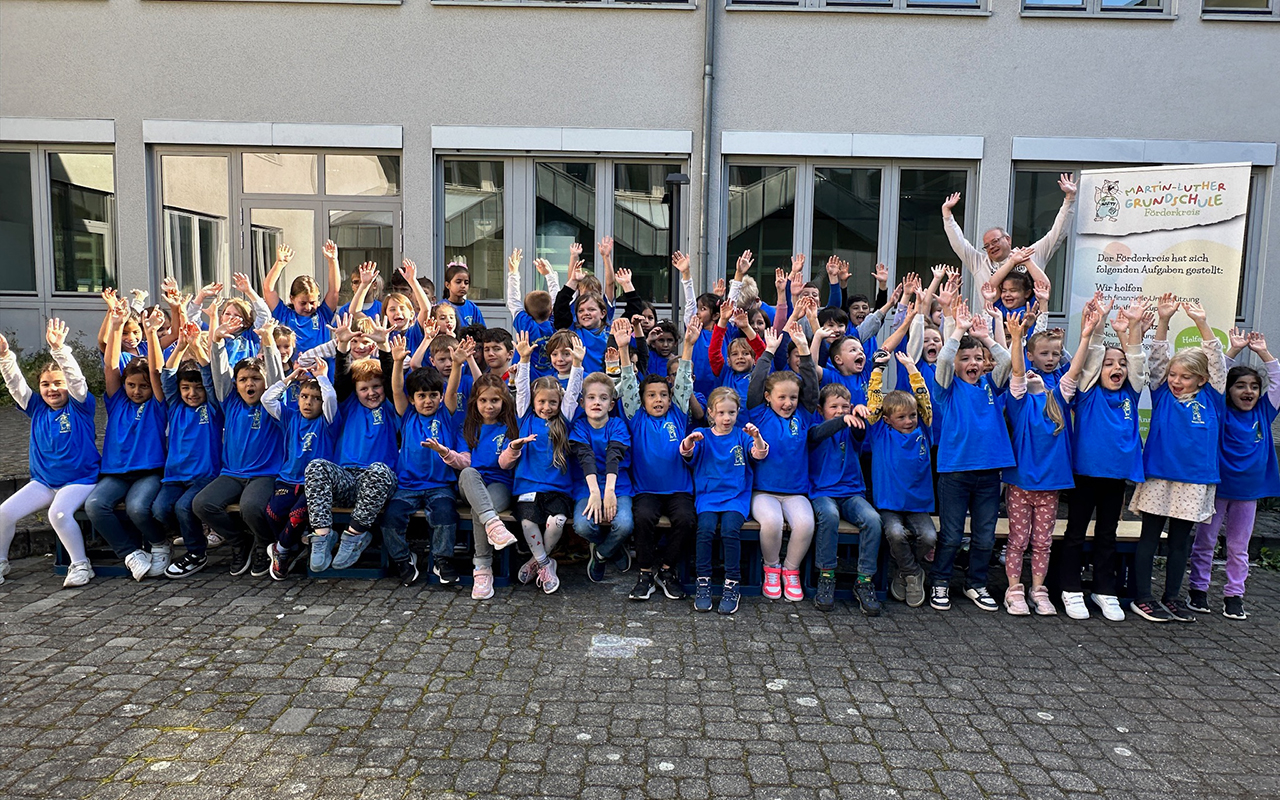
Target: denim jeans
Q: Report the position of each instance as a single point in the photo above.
(138, 490)
(175, 504)
(975, 493)
(730, 524)
(441, 507)
(827, 513)
(619, 528)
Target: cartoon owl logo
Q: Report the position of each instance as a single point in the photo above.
(499, 442)
(991, 400)
(795, 426)
(377, 416)
(739, 458)
(64, 422)
(670, 428)
(256, 422)
(1127, 405)
(138, 412)
(308, 442)
(203, 416)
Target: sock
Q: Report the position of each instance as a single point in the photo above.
(534, 539)
(320, 532)
(831, 573)
(861, 578)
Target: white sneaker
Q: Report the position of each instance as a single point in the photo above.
(1110, 605)
(139, 564)
(78, 574)
(4, 567)
(160, 560)
(1073, 602)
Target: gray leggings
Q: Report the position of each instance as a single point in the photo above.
(896, 525)
(487, 501)
(365, 490)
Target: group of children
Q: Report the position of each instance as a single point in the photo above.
(792, 415)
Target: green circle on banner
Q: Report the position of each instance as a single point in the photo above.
(1190, 337)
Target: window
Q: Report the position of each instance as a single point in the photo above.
(17, 224)
(570, 3)
(910, 6)
(922, 240)
(474, 224)
(761, 218)
(194, 198)
(1154, 9)
(82, 204)
(1242, 9)
(564, 212)
(642, 227)
(280, 173)
(846, 223)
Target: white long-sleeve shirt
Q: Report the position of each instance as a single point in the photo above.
(980, 264)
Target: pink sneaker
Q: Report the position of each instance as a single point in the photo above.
(1043, 605)
(528, 571)
(791, 588)
(772, 588)
(547, 578)
(482, 588)
(1015, 600)
(497, 534)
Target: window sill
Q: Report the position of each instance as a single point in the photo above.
(1051, 13)
(587, 4)
(868, 9)
(1228, 16)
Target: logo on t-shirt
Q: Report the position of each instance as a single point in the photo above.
(739, 458)
(376, 417)
(991, 400)
(1127, 405)
(64, 422)
(795, 426)
(1257, 432)
(308, 442)
(202, 416)
(498, 442)
(670, 428)
(1196, 407)
(138, 412)
(257, 420)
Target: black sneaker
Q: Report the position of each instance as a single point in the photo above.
(408, 570)
(444, 571)
(669, 582)
(1233, 608)
(190, 564)
(866, 594)
(622, 559)
(644, 587)
(241, 556)
(281, 561)
(595, 566)
(1178, 611)
(825, 597)
(259, 562)
(1151, 611)
(1198, 601)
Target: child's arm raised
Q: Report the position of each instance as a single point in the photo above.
(999, 354)
(515, 304)
(759, 447)
(284, 254)
(755, 388)
(271, 398)
(924, 406)
(1211, 344)
(155, 353)
(549, 275)
(260, 311)
(522, 367)
(397, 380)
(716, 352)
(368, 272)
(333, 275)
(1158, 360)
(946, 367)
(569, 405)
(809, 384)
(682, 392)
(681, 263)
(108, 297)
(409, 271)
(605, 248)
(1258, 344)
(14, 380)
(875, 385)
(459, 354)
(111, 366)
(56, 336)
(1089, 321)
(628, 386)
(1018, 378)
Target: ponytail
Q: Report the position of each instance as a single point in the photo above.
(1054, 412)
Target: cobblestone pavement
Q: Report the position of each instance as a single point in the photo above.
(216, 687)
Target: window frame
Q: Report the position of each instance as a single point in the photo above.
(1271, 14)
(41, 250)
(1094, 9)
(977, 8)
(1254, 245)
(656, 5)
(46, 208)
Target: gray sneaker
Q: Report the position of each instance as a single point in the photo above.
(898, 586)
(350, 549)
(915, 589)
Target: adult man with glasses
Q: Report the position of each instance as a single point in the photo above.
(996, 243)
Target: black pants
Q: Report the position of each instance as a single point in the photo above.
(1179, 550)
(645, 510)
(1105, 496)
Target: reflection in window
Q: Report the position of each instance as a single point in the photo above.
(565, 212)
(846, 223)
(922, 242)
(17, 225)
(1237, 6)
(363, 236)
(351, 175)
(761, 218)
(642, 227)
(83, 208)
(473, 225)
(280, 173)
(194, 198)
(1036, 202)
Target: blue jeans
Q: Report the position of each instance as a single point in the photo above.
(977, 494)
(174, 505)
(730, 524)
(619, 529)
(138, 490)
(827, 513)
(441, 507)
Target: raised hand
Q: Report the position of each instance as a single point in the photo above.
(881, 274)
(463, 352)
(341, 329)
(399, 349)
(797, 274)
(513, 261)
(880, 359)
(989, 292)
(780, 281)
(207, 291)
(726, 313)
(1258, 344)
(55, 333)
(110, 298)
(605, 247)
(579, 352)
(330, 250)
(797, 336)
(409, 271)
(681, 262)
(692, 331)
(1237, 339)
(978, 328)
(516, 444)
(719, 288)
(743, 266)
(1166, 307)
(284, 254)
(853, 421)
(622, 331)
(771, 340)
(950, 203)
(575, 256)
(623, 277)
(1089, 322)
(1119, 323)
(1044, 290)
(964, 320)
(833, 270)
(1067, 185)
(940, 271)
(543, 266)
(153, 321)
(368, 272)
(435, 447)
(1016, 325)
(523, 346)
(686, 445)
(612, 359)
(754, 432)
(211, 311)
(907, 363)
(241, 283)
(741, 319)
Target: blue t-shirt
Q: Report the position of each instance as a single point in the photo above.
(596, 342)
(368, 434)
(834, 470)
(739, 382)
(241, 346)
(704, 380)
(656, 365)
(539, 334)
(1105, 438)
(310, 331)
(63, 448)
(930, 374)
(305, 441)
(252, 446)
(372, 310)
(135, 434)
(195, 434)
(420, 468)
(490, 443)
(1183, 437)
(786, 469)
(536, 470)
(1247, 457)
(1043, 458)
(599, 439)
(468, 313)
(855, 383)
(658, 467)
(973, 435)
(722, 472)
(901, 472)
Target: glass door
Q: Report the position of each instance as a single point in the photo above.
(266, 227)
(363, 234)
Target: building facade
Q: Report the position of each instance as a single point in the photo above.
(148, 138)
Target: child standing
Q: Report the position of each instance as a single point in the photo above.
(457, 282)
(1247, 466)
(731, 363)
(308, 313)
(533, 316)
(782, 407)
(601, 447)
(722, 493)
(63, 453)
(1180, 459)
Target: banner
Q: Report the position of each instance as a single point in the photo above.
(1144, 231)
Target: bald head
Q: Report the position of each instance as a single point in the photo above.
(997, 244)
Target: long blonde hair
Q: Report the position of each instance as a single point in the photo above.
(556, 426)
(1196, 361)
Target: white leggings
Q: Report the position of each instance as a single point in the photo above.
(770, 510)
(62, 504)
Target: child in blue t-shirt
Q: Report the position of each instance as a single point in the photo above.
(973, 448)
(902, 480)
(457, 282)
(541, 458)
(1180, 458)
(63, 453)
(133, 457)
(585, 315)
(195, 449)
(1248, 469)
(310, 428)
(722, 492)
(601, 449)
(308, 312)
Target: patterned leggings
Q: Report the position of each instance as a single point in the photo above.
(1031, 517)
(365, 490)
(287, 513)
